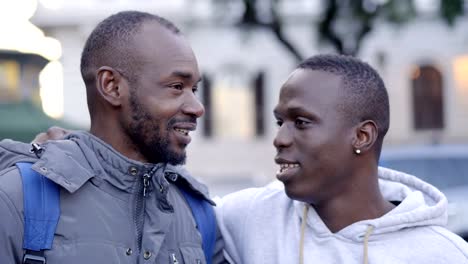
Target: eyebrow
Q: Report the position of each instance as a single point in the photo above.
(295, 110)
(290, 109)
(185, 75)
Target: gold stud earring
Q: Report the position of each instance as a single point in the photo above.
(357, 151)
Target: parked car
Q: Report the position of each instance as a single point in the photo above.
(445, 167)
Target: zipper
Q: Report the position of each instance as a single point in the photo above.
(139, 216)
(174, 259)
(146, 183)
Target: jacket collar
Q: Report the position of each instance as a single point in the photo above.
(59, 161)
(92, 157)
(181, 177)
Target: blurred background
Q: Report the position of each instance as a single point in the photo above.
(246, 49)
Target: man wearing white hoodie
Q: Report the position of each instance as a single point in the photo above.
(335, 205)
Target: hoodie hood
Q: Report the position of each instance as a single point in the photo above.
(420, 204)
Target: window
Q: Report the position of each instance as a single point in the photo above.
(9, 79)
(427, 88)
(234, 104)
(259, 94)
(206, 99)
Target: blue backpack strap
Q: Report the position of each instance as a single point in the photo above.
(204, 216)
(41, 213)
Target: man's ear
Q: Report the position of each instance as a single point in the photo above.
(110, 85)
(366, 133)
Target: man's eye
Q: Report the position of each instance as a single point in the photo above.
(195, 89)
(279, 123)
(177, 86)
(300, 122)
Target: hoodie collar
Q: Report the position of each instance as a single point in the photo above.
(421, 205)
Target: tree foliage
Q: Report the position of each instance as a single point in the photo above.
(343, 24)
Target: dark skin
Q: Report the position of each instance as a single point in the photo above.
(165, 87)
(314, 137)
(316, 146)
(164, 91)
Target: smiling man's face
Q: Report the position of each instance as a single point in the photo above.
(163, 107)
(313, 139)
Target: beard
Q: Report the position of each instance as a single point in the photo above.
(145, 133)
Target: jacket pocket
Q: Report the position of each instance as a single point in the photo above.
(192, 254)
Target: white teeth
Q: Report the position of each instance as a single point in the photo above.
(287, 166)
(183, 131)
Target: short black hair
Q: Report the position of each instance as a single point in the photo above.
(366, 97)
(108, 43)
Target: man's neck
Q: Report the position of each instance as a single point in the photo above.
(361, 201)
(117, 139)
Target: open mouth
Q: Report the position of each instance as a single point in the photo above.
(182, 131)
(287, 170)
(286, 166)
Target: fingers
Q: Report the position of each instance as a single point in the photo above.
(56, 132)
(40, 138)
(53, 133)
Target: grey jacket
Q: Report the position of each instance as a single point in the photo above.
(107, 214)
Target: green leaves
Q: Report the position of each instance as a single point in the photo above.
(450, 10)
(343, 24)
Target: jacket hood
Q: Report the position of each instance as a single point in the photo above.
(421, 204)
(81, 151)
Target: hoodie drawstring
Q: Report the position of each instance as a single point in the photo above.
(301, 242)
(369, 231)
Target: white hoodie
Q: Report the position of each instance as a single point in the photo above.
(263, 225)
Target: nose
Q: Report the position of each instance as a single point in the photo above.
(193, 106)
(283, 138)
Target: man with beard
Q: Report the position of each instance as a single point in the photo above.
(121, 197)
